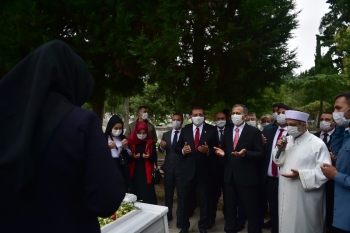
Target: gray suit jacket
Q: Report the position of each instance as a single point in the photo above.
(171, 161)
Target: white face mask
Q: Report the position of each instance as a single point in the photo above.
(293, 131)
(274, 115)
(325, 126)
(281, 119)
(141, 136)
(116, 133)
(252, 123)
(237, 119)
(176, 124)
(340, 119)
(264, 124)
(198, 120)
(220, 124)
(144, 115)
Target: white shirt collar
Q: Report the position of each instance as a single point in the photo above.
(329, 133)
(240, 127)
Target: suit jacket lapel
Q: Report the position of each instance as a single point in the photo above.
(242, 136)
(203, 136)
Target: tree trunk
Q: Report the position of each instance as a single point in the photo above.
(321, 109)
(98, 108)
(126, 111)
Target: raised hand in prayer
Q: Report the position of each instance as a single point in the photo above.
(239, 153)
(146, 156)
(263, 138)
(219, 152)
(294, 174)
(162, 144)
(186, 148)
(125, 143)
(204, 148)
(136, 156)
(111, 145)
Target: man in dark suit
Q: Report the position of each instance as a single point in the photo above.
(270, 170)
(327, 126)
(170, 166)
(243, 151)
(216, 179)
(195, 146)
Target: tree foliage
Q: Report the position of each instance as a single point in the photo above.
(198, 52)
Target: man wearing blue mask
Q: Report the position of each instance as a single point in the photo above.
(341, 172)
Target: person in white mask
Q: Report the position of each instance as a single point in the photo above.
(216, 170)
(250, 119)
(142, 163)
(195, 147)
(265, 120)
(118, 144)
(340, 173)
(243, 154)
(301, 190)
(270, 169)
(171, 166)
(142, 113)
(327, 126)
(275, 108)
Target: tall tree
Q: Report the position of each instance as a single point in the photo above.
(219, 50)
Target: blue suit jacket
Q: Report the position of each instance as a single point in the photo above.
(342, 179)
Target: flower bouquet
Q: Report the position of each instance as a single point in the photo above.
(124, 208)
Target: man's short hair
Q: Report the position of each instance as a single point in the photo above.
(344, 94)
(327, 112)
(251, 114)
(245, 109)
(196, 107)
(286, 107)
(266, 115)
(178, 114)
(141, 107)
(277, 105)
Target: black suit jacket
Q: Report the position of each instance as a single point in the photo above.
(269, 133)
(318, 134)
(195, 161)
(243, 170)
(171, 158)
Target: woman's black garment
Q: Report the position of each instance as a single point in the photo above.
(122, 165)
(56, 172)
(144, 192)
(34, 98)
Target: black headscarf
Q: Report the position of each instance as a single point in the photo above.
(112, 121)
(35, 96)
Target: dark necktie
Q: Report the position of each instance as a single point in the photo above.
(325, 137)
(175, 139)
(196, 139)
(221, 136)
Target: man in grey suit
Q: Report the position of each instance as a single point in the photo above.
(171, 165)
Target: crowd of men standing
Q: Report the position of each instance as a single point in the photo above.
(284, 165)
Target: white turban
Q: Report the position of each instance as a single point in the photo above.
(297, 115)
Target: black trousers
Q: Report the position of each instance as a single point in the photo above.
(271, 191)
(188, 188)
(329, 204)
(251, 201)
(172, 180)
(216, 184)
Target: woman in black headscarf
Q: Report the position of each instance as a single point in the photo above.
(56, 172)
(118, 144)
